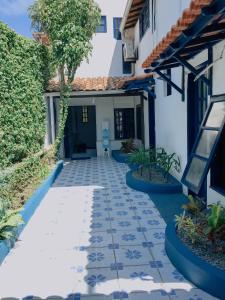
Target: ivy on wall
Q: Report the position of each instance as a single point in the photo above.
(24, 72)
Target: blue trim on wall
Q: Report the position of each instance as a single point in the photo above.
(201, 273)
(29, 209)
(148, 187)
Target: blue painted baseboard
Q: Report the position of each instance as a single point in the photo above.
(195, 269)
(29, 209)
(148, 187)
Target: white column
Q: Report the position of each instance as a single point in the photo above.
(52, 118)
(46, 143)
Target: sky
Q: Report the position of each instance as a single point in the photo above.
(14, 14)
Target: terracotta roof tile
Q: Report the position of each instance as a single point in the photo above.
(188, 17)
(96, 83)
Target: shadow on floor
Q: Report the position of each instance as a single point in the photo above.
(117, 247)
(169, 205)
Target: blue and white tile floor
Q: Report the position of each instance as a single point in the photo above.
(94, 238)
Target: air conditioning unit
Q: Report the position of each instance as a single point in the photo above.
(129, 51)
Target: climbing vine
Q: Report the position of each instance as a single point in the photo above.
(24, 72)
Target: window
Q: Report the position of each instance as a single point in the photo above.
(124, 123)
(102, 27)
(116, 28)
(127, 66)
(84, 114)
(144, 22)
(205, 146)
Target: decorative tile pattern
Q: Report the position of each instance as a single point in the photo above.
(96, 239)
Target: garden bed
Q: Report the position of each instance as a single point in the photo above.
(199, 271)
(28, 210)
(155, 185)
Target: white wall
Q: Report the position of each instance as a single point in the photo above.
(105, 111)
(106, 57)
(171, 120)
(167, 14)
(218, 88)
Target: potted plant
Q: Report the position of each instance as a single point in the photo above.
(196, 245)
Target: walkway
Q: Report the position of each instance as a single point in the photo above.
(95, 236)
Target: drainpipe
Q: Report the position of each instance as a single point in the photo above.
(52, 118)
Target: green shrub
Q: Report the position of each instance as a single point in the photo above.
(24, 73)
(19, 181)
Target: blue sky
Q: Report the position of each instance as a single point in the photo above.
(14, 14)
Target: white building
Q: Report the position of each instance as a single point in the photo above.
(194, 45)
(98, 99)
(180, 43)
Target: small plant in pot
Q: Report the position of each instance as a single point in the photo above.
(140, 159)
(203, 230)
(155, 164)
(167, 162)
(128, 146)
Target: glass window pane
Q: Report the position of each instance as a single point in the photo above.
(206, 143)
(196, 171)
(216, 116)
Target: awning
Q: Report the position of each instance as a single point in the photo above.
(201, 26)
(141, 83)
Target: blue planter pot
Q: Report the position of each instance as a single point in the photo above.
(195, 269)
(148, 187)
(28, 210)
(133, 167)
(120, 157)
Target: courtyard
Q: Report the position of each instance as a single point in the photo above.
(94, 238)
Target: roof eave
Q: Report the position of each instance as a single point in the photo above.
(125, 15)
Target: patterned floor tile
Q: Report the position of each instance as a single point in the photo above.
(139, 278)
(170, 274)
(101, 281)
(159, 253)
(75, 242)
(152, 223)
(121, 213)
(193, 294)
(133, 255)
(100, 258)
(95, 240)
(156, 236)
(128, 238)
(125, 224)
(148, 296)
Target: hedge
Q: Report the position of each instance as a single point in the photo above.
(19, 181)
(24, 72)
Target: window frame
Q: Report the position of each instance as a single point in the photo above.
(144, 19)
(85, 114)
(116, 31)
(116, 132)
(102, 27)
(207, 160)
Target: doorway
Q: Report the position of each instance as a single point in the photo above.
(80, 132)
(196, 108)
